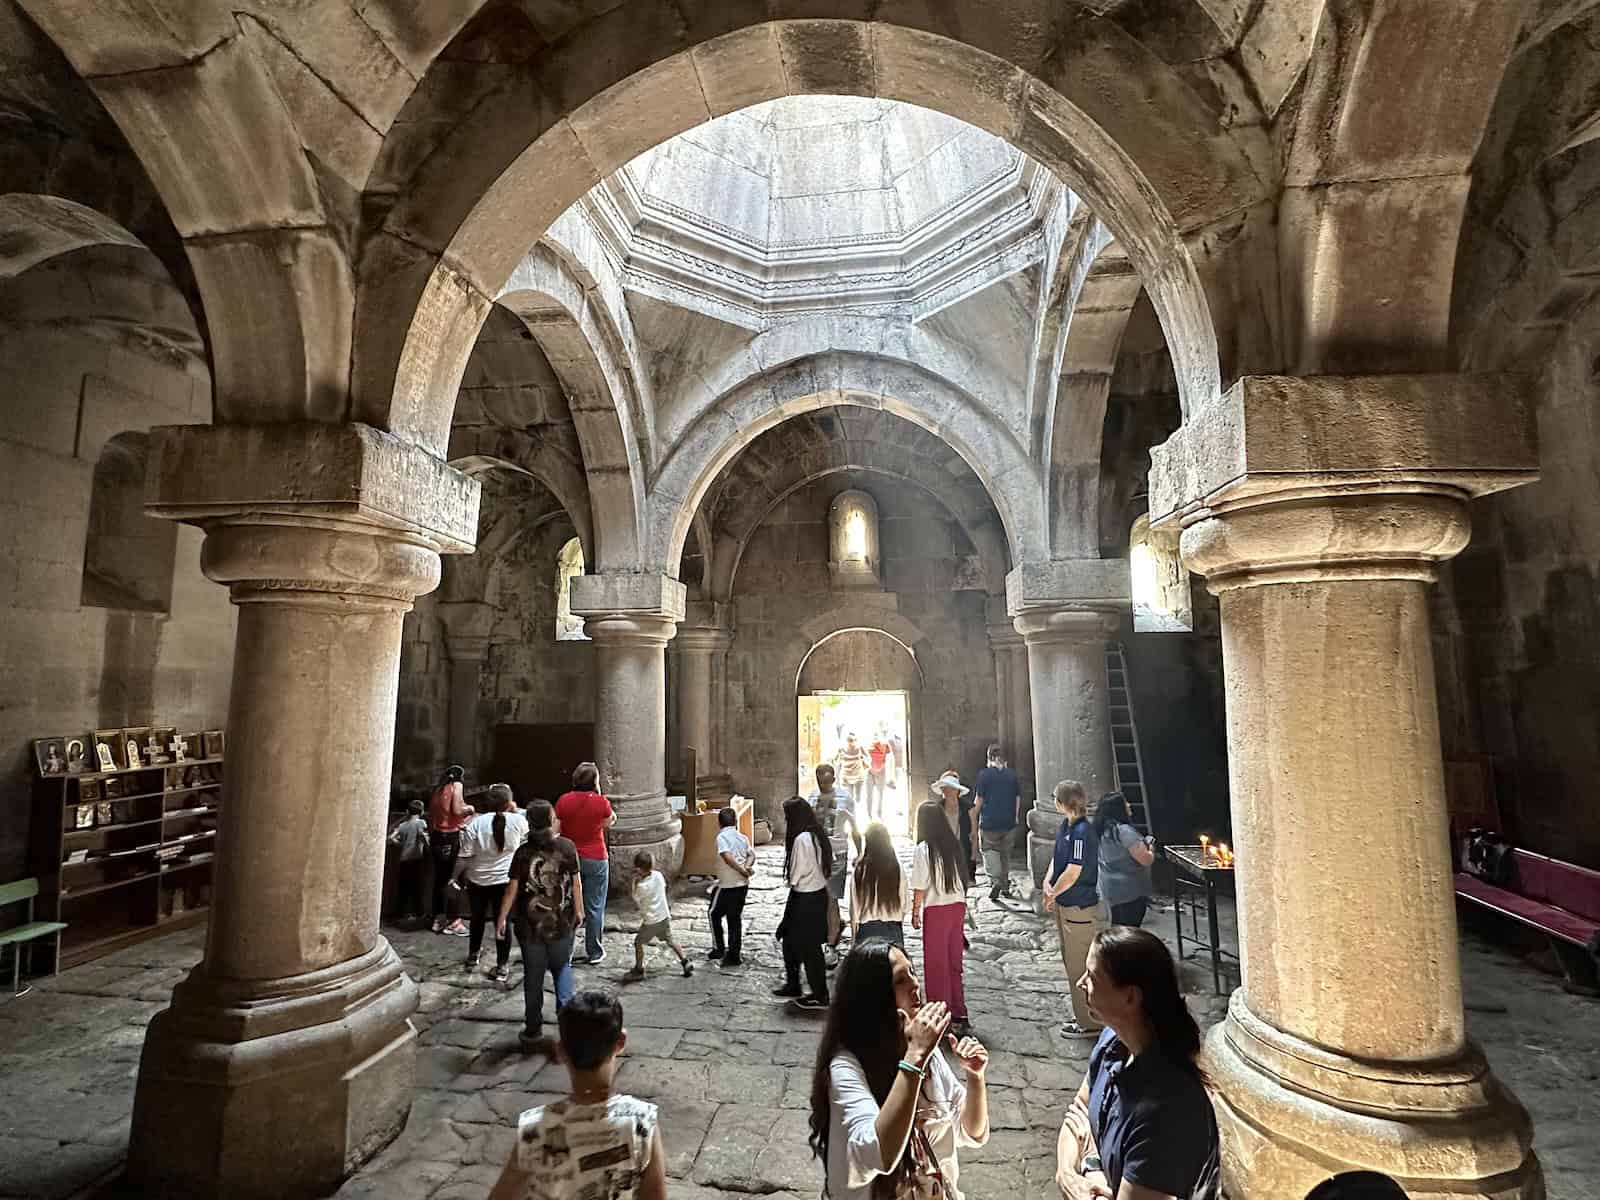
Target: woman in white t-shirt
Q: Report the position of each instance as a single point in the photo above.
(939, 907)
(878, 891)
(888, 1112)
(807, 863)
(488, 844)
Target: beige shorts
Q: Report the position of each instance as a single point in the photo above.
(661, 931)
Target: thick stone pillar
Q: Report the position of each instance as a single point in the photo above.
(1012, 700)
(466, 627)
(1319, 510)
(287, 1056)
(699, 647)
(630, 619)
(1065, 611)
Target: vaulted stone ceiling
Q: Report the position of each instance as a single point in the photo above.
(824, 201)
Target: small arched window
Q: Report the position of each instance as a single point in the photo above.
(853, 556)
(569, 565)
(1161, 602)
(128, 558)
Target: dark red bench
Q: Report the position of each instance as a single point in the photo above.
(1560, 900)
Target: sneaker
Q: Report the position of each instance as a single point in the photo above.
(596, 960)
(470, 965)
(1073, 1030)
(787, 991)
(634, 975)
(810, 1003)
(535, 1043)
(688, 968)
(994, 895)
(438, 924)
(500, 974)
(731, 960)
(457, 928)
(713, 954)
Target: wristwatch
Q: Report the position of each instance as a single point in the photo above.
(1091, 1163)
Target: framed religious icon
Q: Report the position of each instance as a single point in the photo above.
(50, 755)
(133, 741)
(188, 746)
(211, 743)
(108, 749)
(78, 754)
(158, 746)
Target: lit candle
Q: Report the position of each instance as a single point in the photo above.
(1205, 845)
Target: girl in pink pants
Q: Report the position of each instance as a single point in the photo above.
(939, 909)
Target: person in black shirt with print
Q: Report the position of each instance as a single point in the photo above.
(1141, 1127)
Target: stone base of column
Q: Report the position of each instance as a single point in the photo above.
(667, 852)
(1042, 829)
(274, 1088)
(1292, 1114)
(644, 822)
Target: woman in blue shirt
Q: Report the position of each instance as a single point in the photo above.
(1070, 891)
(1141, 1127)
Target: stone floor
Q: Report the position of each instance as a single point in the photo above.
(729, 1067)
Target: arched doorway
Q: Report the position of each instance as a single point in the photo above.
(863, 683)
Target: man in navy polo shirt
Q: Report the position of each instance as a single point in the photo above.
(997, 791)
(1071, 891)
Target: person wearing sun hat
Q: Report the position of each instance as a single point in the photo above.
(952, 794)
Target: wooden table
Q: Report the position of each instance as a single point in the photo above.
(1197, 872)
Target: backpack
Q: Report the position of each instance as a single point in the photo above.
(1487, 856)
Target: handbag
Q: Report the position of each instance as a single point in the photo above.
(1488, 857)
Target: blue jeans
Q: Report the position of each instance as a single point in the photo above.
(537, 958)
(596, 874)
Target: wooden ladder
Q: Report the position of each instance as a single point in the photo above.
(1127, 764)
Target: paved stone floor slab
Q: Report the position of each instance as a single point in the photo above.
(729, 1066)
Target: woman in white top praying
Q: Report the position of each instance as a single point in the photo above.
(888, 1112)
(488, 844)
(807, 863)
(878, 892)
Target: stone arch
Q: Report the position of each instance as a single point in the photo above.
(513, 450)
(1083, 96)
(568, 321)
(1077, 417)
(1376, 175)
(767, 398)
(128, 558)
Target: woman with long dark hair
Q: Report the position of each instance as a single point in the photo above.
(878, 891)
(487, 845)
(1142, 1116)
(1125, 858)
(448, 811)
(887, 1111)
(938, 908)
(545, 878)
(807, 863)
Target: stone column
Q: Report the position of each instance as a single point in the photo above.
(294, 1030)
(466, 627)
(1318, 510)
(1012, 700)
(1065, 611)
(630, 619)
(698, 646)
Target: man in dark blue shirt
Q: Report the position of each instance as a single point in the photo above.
(1070, 890)
(998, 793)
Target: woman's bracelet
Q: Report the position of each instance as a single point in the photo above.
(911, 1068)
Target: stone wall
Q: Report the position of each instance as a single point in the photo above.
(66, 668)
(783, 587)
(1518, 621)
(528, 677)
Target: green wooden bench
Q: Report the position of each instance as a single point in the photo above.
(29, 931)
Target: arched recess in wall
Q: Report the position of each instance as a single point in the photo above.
(1103, 112)
(767, 399)
(1161, 597)
(128, 558)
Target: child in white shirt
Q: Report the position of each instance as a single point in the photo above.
(736, 862)
(595, 1142)
(655, 915)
